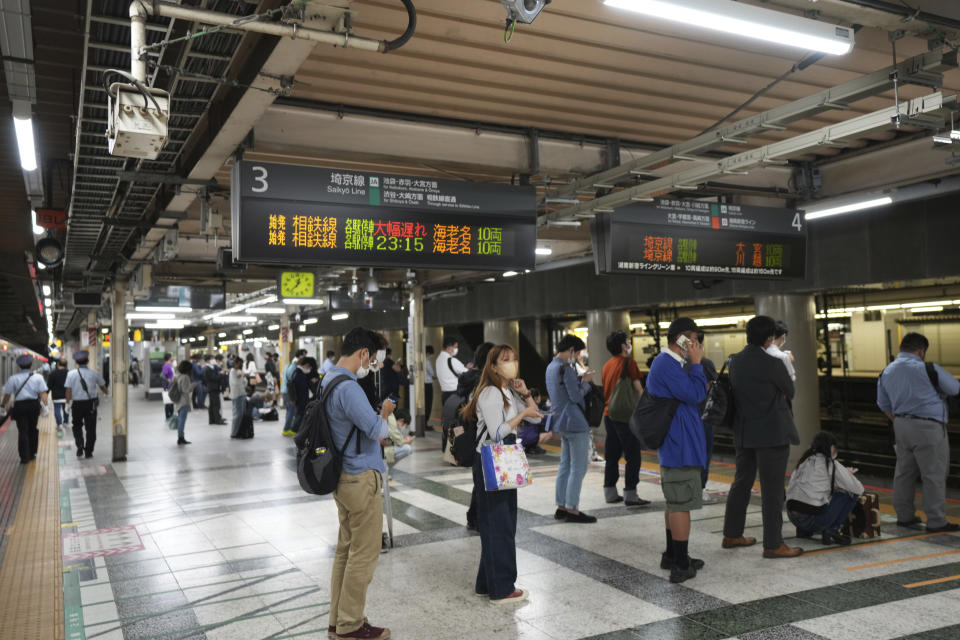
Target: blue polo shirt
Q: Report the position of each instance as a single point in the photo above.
(347, 407)
(685, 444)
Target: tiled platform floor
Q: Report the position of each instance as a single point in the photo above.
(232, 548)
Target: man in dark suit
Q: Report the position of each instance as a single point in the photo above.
(762, 434)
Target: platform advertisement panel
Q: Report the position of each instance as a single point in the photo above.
(297, 215)
(700, 239)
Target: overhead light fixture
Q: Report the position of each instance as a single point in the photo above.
(926, 309)
(47, 290)
(193, 339)
(747, 21)
(166, 324)
(543, 251)
(372, 286)
(267, 311)
(147, 309)
(311, 321)
(222, 334)
(202, 338)
(25, 142)
(304, 302)
(491, 279)
(563, 223)
(247, 332)
(509, 274)
(37, 229)
(848, 208)
(234, 319)
(150, 316)
(47, 302)
(273, 327)
(338, 316)
(303, 328)
(49, 251)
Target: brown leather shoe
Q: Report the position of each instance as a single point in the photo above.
(730, 543)
(783, 552)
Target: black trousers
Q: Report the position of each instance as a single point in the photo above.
(771, 462)
(427, 400)
(26, 413)
(497, 520)
(84, 418)
(213, 407)
(443, 433)
(621, 442)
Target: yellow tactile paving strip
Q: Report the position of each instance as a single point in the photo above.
(31, 582)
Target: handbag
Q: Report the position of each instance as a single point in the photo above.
(652, 418)
(9, 410)
(623, 399)
(505, 467)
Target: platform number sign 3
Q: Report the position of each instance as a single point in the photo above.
(260, 179)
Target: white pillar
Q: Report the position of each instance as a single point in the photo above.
(120, 365)
(415, 361)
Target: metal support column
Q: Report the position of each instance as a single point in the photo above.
(600, 324)
(93, 340)
(415, 360)
(502, 332)
(120, 365)
(285, 342)
(798, 311)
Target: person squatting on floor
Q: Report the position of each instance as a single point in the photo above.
(359, 493)
(822, 493)
(911, 394)
(684, 450)
(23, 393)
(501, 402)
(762, 434)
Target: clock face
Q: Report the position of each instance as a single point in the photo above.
(294, 284)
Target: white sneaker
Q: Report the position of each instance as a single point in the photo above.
(709, 498)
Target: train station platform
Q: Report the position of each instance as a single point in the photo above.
(216, 540)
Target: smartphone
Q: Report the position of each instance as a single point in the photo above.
(546, 412)
(683, 342)
(394, 398)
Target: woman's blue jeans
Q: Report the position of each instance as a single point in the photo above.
(182, 420)
(830, 519)
(574, 456)
(60, 412)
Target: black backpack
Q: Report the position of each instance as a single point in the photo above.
(953, 402)
(318, 460)
(719, 409)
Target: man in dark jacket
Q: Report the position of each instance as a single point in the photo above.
(762, 434)
(211, 380)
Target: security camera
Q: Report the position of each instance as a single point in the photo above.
(525, 11)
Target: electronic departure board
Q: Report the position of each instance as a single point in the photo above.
(296, 215)
(193, 297)
(700, 239)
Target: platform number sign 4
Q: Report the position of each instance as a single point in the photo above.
(796, 222)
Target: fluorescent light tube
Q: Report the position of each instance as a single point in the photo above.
(311, 321)
(150, 316)
(267, 311)
(926, 309)
(747, 21)
(28, 152)
(339, 316)
(543, 251)
(166, 324)
(305, 302)
(47, 290)
(233, 319)
(147, 309)
(273, 327)
(848, 208)
(222, 334)
(37, 229)
(509, 274)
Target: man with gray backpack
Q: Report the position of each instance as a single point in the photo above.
(342, 433)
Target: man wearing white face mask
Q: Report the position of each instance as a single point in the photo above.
(357, 431)
(449, 368)
(776, 349)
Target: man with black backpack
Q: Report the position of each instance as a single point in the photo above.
(356, 431)
(914, 395)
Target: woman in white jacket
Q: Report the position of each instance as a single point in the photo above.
(822, 493)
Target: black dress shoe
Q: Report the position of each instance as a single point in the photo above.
(909, 523)
(89, 454)
(945, 528)
(666, 562)
(580, 518)
(639, 502)
(183, 441)
(560, 514)
(79, 452)
(834, 537)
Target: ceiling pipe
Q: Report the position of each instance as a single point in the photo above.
(906, 12)
(178, 12)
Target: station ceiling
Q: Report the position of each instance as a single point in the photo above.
(582, 70)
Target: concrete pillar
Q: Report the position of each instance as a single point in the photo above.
(120, 365)
(600, 324)
(541, 341)
(395, 338)
(415, 361)
(93, 346)
(798, 311)
(285, 342)
(502, 332)
(433, 336)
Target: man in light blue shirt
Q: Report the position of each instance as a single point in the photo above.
(81, 386)
(358, 494)
(906, 394)
(25, 391)
(329, 363)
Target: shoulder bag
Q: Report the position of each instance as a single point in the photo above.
(652, 418)
(719, 408)
(623, 399)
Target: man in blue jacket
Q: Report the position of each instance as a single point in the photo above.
(684, 451)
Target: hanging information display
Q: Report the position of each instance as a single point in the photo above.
(296, 215)
(700, 239)
(193, 297)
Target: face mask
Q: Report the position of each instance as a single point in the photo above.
(572, 359)
(381, 355)
(629, 349)
(783, 343)
(363, 371)
(455, 351)
(509, 370)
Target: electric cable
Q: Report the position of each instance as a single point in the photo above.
(408, 32)
(934, 28)
(147, 96)
(508, 30)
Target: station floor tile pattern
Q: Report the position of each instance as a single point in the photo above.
(227, 546)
